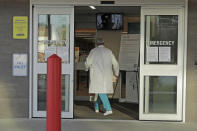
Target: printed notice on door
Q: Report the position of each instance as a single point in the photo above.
(20, 27)
(152, 54)
(49, 51)
(63, 53)
(164, 54)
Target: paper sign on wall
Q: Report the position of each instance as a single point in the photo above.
(20, 27)
(19, 65)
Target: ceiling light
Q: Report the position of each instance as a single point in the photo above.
(92, 7)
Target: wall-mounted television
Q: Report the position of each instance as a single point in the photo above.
(109, 21)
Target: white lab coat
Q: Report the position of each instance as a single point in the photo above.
(102, 65)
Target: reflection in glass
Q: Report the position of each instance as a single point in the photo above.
(160, 93)
(53, 31)
(42, 92)
(161, 39)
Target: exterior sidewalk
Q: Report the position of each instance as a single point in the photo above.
(94, 125)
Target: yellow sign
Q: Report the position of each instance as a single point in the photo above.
(20, 27)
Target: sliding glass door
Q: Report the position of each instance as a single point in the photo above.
(161, 64)
(53, 34)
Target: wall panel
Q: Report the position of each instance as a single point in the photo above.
(14, 91)
(191, 97)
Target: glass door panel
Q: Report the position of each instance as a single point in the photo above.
(53, 34)
(161, 38)
(161, 64)
(160, 94)
(42, 92)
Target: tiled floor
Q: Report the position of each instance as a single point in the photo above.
(121, 111)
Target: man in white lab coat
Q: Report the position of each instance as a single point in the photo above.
(103, 67)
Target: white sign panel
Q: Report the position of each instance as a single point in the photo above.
(19, 65)
(164, 54)
(152, 54)
(129, 51)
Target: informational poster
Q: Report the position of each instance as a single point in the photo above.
(63, 53)
(152, 54)
(19, 65)
(129, 52)
(164, 54)
(49, 51)
(20, 27)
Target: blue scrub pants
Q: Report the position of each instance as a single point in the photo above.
(104, 99)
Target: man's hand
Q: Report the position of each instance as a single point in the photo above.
(114, 79)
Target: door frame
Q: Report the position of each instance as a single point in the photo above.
(86, 4)
(67, 68)
(167, 69)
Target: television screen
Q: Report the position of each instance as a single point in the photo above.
(109, 21)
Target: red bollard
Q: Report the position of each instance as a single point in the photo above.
(54, 93)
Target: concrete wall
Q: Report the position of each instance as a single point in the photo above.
(191, 99)
(118, 2)
(14, 91)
